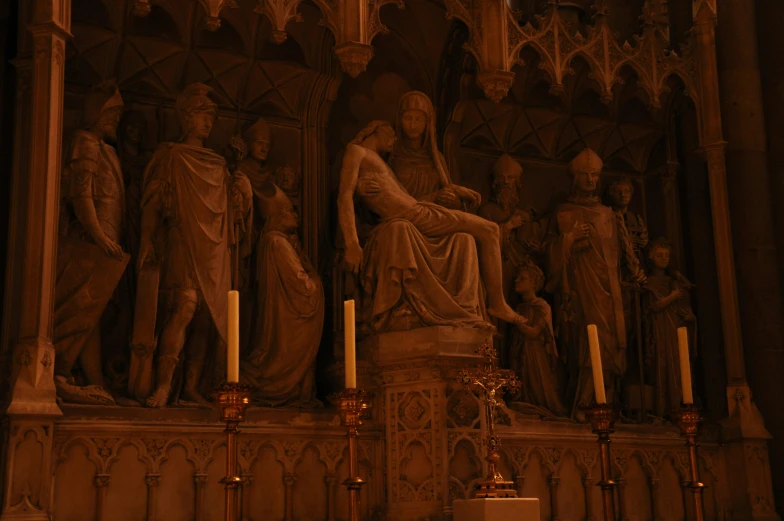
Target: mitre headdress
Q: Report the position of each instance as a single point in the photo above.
(272, 201)
(258, 131)
(585, 160)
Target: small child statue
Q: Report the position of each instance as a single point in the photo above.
(533, 354)
(667, 307)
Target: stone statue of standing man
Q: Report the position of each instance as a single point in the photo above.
(188, 204)
(586, 251)
(90, 258)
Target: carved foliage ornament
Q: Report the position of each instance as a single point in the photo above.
(280, 13)
(354, 23)
(213, 9)
(557, 43)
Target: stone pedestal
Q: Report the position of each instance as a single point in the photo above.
(426, 415)
(496, 509)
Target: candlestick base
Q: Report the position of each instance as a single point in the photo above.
(689, 420)
(233, 401)
(494, 485)
(603, 417)
(353, 405)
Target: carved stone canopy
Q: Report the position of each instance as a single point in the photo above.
(354, 24)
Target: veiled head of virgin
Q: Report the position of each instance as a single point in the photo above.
(415, 118)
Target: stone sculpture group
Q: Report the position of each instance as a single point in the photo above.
(166, 235)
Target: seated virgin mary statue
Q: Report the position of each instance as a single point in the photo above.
(419, 267)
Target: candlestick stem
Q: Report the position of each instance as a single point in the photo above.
(352, 404)
(689, 420)
(602, 418)
(233, 400)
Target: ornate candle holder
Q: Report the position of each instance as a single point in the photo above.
(602, 417)
(490, 383)
(233, 400)
(353, 405)
(689, 420)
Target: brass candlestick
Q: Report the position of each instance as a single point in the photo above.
(233, 400)
(491, 383)
(353, 405)
(602, 417)
(689, 420)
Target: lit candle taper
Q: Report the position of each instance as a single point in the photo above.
(683, 352)
(233, 357)
(596, 364)
(350, 343)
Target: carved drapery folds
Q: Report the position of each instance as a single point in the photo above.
(557, 42)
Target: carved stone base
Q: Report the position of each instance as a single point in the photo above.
(746, 454)
(419, 369)
(427, 455)
(34, 392)
(434, 443)
(161, 464)
(28, 478)
(422, 343)
(505, 509)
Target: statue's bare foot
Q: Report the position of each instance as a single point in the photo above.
(159, 397)
(192, 395)
(507, 314)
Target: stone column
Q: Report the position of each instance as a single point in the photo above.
(102, 484)
(748, 181)
(770, 36)
(152, 481)
(289, 480)
(27, 489)
(315, 160)
(554, 482)
(744, 431)
(33, 390)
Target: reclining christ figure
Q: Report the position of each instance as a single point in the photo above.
(365, 173)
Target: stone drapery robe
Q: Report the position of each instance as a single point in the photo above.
(586, 280)
(533, 359)
(190, 187)
(416, 171)
(662, 337)
(289, 323)
(257, 175)
(413, 281)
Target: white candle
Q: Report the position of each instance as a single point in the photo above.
(683, 351)
(233, 357)
(351, 346)
(596, 364)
